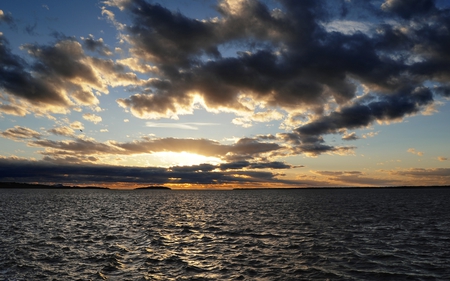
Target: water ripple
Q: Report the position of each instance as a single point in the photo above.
(225, 235)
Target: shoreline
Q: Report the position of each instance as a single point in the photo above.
(16, 185)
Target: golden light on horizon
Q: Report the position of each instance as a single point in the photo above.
(185, 159)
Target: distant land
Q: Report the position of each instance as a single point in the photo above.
(153, 187)
(45, 186)
(60, 186)
(347, 187)
(160, 187)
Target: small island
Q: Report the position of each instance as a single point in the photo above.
(153, 187)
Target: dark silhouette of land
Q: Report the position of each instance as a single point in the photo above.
(346, 187)
(153, 187)
(60, 186)
(44, 186)
(160, 187)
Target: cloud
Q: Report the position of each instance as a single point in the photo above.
(85, 97)
(8, 19)
(77, 147)
(13, 109)
(163, 36)
(443, 90)
(92, 118)
(312, 145)
(244, 149)
(138, 65)
(292, 64)
(151, 106)
(58, 75)
(49, 171)
(30, 29)
(359, 115)
(290, 59)
(441, 158)
(407, 8)
(237, 165)
(19, 132)
(424, 173)
(339, 173)
(77, 125)
(185, 126)
(348, 27)
(62, 131)
(369, 135)
(355, 178)
(263, 116)
(350, 136)
(263, 75)
(413, 151)
(96, 45)
(15, 80)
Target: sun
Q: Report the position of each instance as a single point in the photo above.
(184, 159)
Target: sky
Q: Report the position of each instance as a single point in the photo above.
(225, 94)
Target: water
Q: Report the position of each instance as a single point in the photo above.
(346, 234)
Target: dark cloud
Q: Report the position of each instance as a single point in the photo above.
(68, 160)
(15, 80)
(30, 29)
(245, 148)
(168, 37)
(58, 75)
(361, 114)
(54, 172)
(8, 19)
(286, 58)
(77, 146)
(383, 108)
(237, 165)
(312, 145)
(64, 60)
(270, 165)
(408, 8)
(443, 90)
(286, 79)
(96, 45)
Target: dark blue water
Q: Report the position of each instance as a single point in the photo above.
(348, 234)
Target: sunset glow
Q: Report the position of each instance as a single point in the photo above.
(185, 159)
(225, 93)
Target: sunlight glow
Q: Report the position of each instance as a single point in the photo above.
(184, 159)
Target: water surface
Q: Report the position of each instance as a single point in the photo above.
(345, 234)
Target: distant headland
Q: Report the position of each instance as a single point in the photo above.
(44, 186)
(18, 185)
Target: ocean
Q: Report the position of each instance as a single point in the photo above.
(298, 234)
